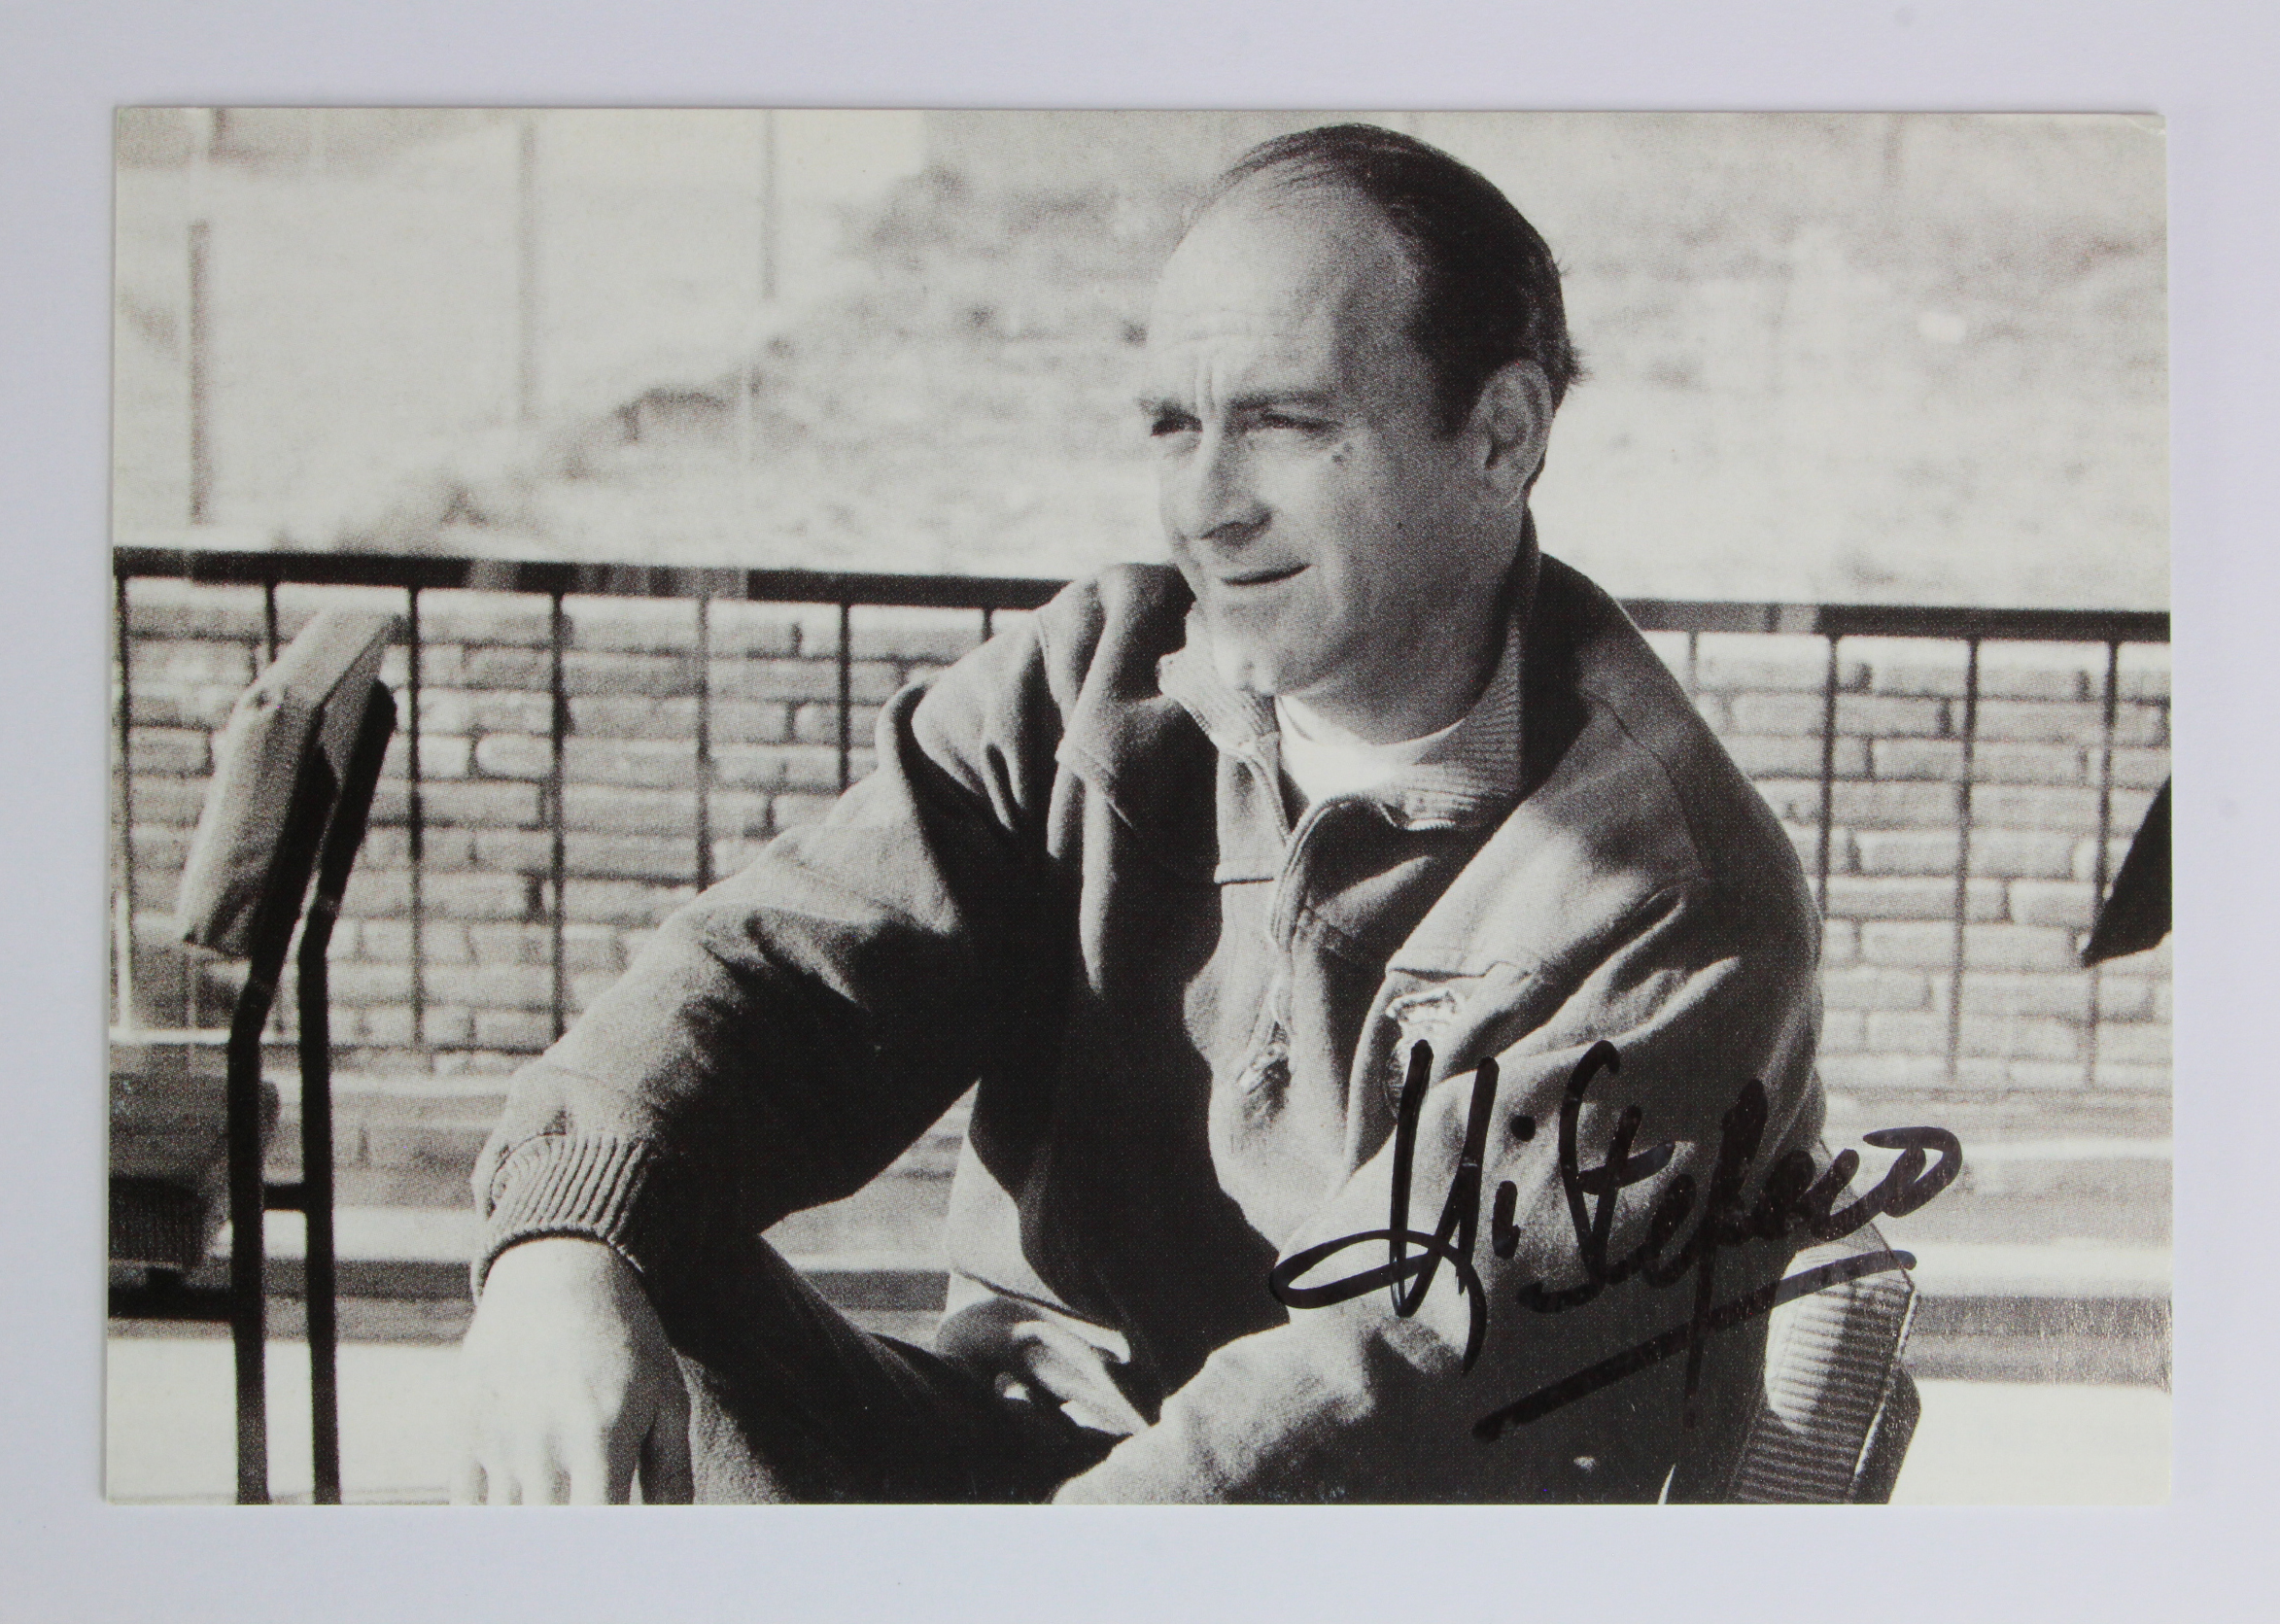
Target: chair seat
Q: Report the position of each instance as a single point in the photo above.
(169, 1148)
(1825, 1429)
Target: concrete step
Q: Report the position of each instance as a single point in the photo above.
(2047, 1261)
(2080, 1311)
(415, 1237)
(2050, 1171)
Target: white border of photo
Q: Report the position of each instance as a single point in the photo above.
(2203, 66)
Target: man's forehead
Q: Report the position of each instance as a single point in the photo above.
(1282, 264)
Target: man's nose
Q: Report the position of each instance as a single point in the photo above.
(1214, 498)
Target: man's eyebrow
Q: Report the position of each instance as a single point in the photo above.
(1312, 399)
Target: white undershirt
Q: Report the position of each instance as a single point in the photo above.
(1322, 761)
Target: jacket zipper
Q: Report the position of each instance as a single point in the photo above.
(1282, 919)
(1270, 1062)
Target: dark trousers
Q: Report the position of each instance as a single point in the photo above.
(789, 1400)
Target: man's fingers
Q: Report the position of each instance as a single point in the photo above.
(619, 1453)
(593, 1478)
(539, 1477)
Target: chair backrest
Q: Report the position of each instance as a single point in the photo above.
(2135, 915)
(305, 710)
(276, 792)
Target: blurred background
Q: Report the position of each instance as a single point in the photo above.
(1833, 357)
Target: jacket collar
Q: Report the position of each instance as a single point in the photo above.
(1476, 784)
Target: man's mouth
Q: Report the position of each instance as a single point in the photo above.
(1260, 578)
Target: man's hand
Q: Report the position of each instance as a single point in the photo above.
(567, 1385)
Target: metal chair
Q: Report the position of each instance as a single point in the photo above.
(1832, 1419)
(1838, 1410)
(2136, 915)
(290, 799)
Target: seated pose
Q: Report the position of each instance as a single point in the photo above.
(1258, 898)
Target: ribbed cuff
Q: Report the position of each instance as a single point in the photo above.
(558, 1185)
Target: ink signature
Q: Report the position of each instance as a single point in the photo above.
(1794, 1200)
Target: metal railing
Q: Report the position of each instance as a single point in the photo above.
(556, 582)
(702, 588)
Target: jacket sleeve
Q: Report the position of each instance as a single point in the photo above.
(784, 1036)
(1700, 995)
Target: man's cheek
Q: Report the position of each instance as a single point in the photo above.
(1167, 515)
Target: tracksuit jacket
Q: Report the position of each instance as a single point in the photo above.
(1074, 886)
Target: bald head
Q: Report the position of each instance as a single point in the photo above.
(1487, 291)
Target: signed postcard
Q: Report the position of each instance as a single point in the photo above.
(1083, 807)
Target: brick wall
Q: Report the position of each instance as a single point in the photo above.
(2026, 1016)
(2028, 1047)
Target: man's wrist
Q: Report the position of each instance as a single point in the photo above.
(556, 1185)
(550, 1253)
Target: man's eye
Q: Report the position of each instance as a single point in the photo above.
(1167, 424)
(1290, 423)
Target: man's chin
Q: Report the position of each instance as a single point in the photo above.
(1269, 664)
(1250, 671)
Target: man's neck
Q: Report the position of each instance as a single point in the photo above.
(1430, 695)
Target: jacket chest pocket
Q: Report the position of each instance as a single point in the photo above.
(1425, 1016)
(1464, 1018)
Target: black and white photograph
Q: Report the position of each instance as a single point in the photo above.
(941, 806)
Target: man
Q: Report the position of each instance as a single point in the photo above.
(1218, 886)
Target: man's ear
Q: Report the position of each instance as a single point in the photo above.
(1514, 419)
